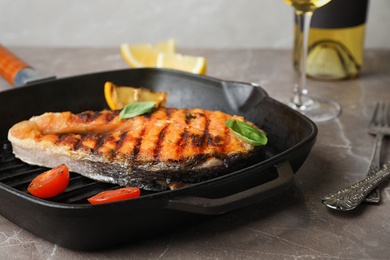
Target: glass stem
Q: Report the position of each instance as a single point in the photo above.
(303, 21)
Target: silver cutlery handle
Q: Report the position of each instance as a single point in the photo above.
(349, 198)
(374, 196)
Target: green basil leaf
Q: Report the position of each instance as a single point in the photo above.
(247, 132)
(136, 109)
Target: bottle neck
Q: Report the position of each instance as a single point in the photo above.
(340, 14)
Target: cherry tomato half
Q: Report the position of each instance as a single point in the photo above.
(50, 183)
(115, 195)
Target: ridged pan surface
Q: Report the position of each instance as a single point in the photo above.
(68, 220)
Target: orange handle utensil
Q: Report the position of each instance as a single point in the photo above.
(16, 71)
(10, 65)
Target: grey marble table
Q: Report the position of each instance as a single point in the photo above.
(291, 225)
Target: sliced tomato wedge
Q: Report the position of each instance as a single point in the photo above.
(50, 183)
(115, 195)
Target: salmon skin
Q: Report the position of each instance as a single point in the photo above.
(162, 149)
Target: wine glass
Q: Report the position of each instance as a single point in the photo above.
(318, 109)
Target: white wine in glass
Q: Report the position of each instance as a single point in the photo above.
(318, 109)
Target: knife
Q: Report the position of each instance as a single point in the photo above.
(16, 71)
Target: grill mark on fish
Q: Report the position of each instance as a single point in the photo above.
(105, 145)
(181, 142)
(121, 141)
(137, 145)
(153, 128)
(87, 142)
(181, 134)
(79, 144)
(112, 116)
(184, 140)
(88, 116)
(217, 132)
(68, 139)
(161, 136)
(197, 140)
(61, 138)
(102, 117)
(206, 136)
(172, 145)
(138, 142)
(161, 139)
(100, 142)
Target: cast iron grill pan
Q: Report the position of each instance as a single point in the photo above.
(69, 221)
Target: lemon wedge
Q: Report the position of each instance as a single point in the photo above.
(168, 46)
(117, 97)
(161, 55)
(145, 55)
(177, 61)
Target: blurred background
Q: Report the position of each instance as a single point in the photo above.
(193, 23)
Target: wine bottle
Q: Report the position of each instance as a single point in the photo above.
(336, 40)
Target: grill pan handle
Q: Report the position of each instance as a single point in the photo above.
(207, 206)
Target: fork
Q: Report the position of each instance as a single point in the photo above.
(379, 126)
(349, 198)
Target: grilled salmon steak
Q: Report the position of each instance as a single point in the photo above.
(151, 151)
